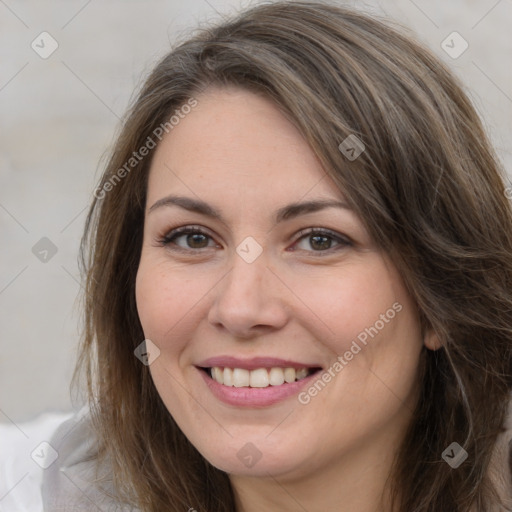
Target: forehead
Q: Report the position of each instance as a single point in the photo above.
(235, 140)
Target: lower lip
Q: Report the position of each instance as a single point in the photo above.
(255, 397)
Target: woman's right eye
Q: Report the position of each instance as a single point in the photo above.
(188, 239)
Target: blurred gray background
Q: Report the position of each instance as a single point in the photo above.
(58, 115)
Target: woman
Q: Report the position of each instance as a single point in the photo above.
(299, 276)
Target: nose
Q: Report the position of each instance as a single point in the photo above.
(249, 301)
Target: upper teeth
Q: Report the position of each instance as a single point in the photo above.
(260, 378)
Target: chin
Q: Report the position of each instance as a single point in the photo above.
(257, 459)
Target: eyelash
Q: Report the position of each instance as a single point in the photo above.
(171, 237)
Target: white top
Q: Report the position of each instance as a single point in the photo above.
(47, 465)
(24, 452)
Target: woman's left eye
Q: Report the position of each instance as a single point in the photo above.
(320, 240)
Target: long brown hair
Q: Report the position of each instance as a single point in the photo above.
(427, 187)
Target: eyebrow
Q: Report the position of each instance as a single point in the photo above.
(287, 212)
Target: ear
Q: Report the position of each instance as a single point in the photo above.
(431, 340)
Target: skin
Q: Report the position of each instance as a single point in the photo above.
(297, 301)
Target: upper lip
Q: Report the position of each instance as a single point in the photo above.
(253, 363)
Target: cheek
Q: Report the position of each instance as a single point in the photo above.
(165, 299)
(168, 303)
(345, 302)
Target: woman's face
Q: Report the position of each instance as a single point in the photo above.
(253, 269)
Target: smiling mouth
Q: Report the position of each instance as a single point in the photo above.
(258, 378)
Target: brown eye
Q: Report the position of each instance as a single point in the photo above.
(316, 240)
(196, 240)
(320, 242)
(188, 238)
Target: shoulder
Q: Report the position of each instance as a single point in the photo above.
(25, 454)
(48, 464)
(76, 482)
